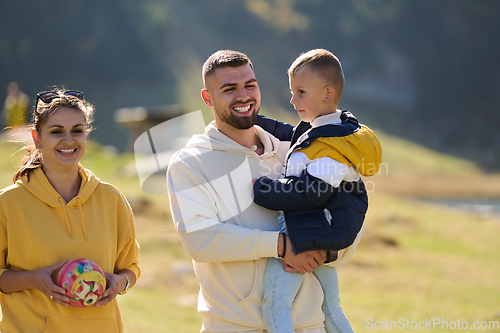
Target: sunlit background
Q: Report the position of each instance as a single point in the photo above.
(426, 70)
(425, 74)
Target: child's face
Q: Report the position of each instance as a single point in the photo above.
(308, 91)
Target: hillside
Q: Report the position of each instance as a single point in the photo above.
(411, 169)
(425, 70)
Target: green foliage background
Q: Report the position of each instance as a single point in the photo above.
(426, 70)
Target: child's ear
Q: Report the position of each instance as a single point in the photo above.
(329, 94)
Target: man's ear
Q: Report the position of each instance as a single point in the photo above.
(34, 136)
(205, 95)
(329, 94)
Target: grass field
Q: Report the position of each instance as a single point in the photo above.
(416, 262)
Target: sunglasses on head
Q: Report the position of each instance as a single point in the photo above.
(48, 96)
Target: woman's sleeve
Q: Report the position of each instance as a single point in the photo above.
(128, 255)
(3, 248)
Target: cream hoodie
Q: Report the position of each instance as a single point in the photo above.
(228, 236)
(38, 229)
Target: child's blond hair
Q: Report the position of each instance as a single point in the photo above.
(324, 63)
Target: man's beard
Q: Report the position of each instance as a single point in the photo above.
(240, 123)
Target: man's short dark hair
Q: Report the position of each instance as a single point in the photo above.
(224, 58)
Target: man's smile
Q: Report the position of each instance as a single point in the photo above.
(243, 107)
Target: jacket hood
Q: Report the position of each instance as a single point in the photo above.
(361, 148)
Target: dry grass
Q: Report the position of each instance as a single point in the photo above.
(165, 297)
(416, 260)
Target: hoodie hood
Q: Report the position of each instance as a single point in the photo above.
(40, 187)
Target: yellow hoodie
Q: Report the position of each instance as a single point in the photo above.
(38, 229)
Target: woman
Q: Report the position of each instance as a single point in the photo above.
(55, 212)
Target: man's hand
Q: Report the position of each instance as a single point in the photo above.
(302, 262)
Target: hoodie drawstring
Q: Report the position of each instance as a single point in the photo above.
(81, 217)
(63, 204)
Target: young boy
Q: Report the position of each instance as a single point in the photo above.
(322, 196)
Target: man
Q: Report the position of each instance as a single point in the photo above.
(228, 236)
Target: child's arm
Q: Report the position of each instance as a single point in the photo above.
(279, 129)
(293, 193)
(303, 198)
(302, 189)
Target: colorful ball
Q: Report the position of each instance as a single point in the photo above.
(83, 280)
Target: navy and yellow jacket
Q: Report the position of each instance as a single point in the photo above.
(305, 198)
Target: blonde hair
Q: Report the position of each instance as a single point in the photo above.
(323, 63)
(41, 112)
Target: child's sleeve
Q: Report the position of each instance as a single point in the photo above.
(279, 129)
(308, 185)
(324, 168)
(293, 193)
(346, 254)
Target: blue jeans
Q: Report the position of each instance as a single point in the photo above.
(280, 288)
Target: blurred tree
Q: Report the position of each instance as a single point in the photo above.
(423, 69)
